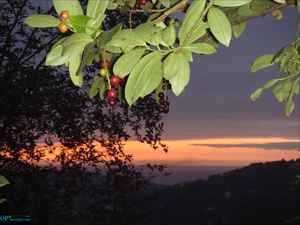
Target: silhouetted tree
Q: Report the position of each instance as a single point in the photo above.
(39, 105)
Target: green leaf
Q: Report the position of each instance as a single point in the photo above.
(220, 25)
(199, 30)
(187, 54)
(96, 7)
(146, 30)
(72, 6)
(2, 200)
(230, 3)
(144, 78)
(262, 62)
(75, 44)
(42, 21)
(126, 62)
(239, 29)
(170, 65)
(54, 57)
(256, 94)
(182, 78)
(3, 181)
(94, 24)
(127, 40)
(156, 39)
(270, 83)
(191, 18)
(79, 23)
(75, 75)
(94, 90)
(106, 36)
(169, 35)
(201, 48)
(281, 91)
(289, 108)
(245, 10)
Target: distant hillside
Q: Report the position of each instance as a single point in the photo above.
(260, 194)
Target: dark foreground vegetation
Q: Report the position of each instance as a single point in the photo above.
(261, 194)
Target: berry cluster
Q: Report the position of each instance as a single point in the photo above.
(115, 81)
(64, 16)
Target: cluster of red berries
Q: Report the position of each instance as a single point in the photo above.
(141, 3)
(115, 81)
(64, 16)
(112, 94)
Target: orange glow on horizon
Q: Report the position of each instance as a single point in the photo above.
(193, 152)
(182, 152)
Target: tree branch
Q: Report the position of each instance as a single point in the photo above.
(242, 19)
(179, 7)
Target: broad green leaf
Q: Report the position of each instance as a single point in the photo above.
(156, 39)
(146, 30)
(298, 6)
(230, 3)
(239, 29)
(74, 65)
(170, 65)
(201, 48)
(182, 78)
(42, 21)
(89, 54)
(94, 90)
(77, 79)
(220, 25)
(126, 62)
(191, 18)
(106, 36)
(198, 31)
(269, 84)
(75, 44)
(73, 6)
(260, 6)
(55, 58)
(281, 91)
(245, 10)
(289, 108)
(3, 181)
(256, 94)
(144, 78)
(79, 23)
(127, 40)
(94, 24)
(262, 62)
(96, 7)
(187, 54)
(169, 35)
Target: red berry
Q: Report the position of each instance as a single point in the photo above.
(112, 94)
(115, 81)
